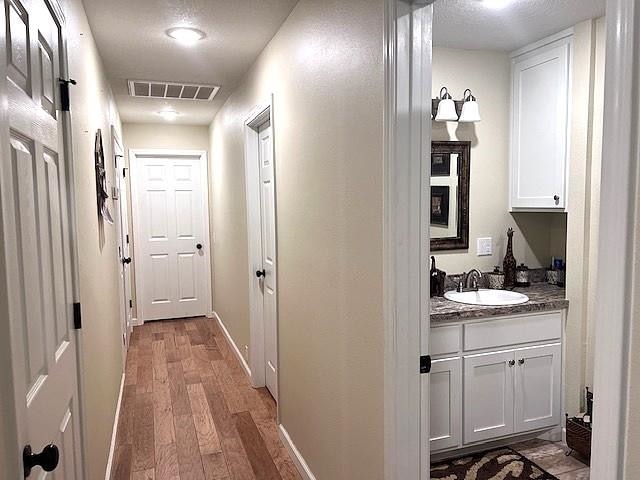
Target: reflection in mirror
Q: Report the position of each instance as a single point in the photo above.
(450, 169)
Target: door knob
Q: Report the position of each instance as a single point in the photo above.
(47, 459)
(261, 273)
(126, 260)
(199, 246)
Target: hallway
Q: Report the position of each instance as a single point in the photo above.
(189, 412)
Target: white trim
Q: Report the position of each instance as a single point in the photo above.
(615, 251)
(407, 131)
(134, 168)
(114, 432)
(136, 323)
(234, 347)
(296, 456)
(542, 43)
(260, 114)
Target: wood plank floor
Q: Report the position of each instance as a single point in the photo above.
(189, 412)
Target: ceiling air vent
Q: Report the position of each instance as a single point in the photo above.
(178, 91)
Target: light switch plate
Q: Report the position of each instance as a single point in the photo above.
(484, 246)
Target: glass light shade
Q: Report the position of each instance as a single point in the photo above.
(470, 112)
(446, 111)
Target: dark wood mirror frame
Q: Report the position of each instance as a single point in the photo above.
(463, 150)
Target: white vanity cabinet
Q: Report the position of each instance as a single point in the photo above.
(495, 378)
(540, 107)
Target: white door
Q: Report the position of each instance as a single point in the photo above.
(538, 384)
(124, 244)
(488, 395)
(541, 94)
(445, 402)
(34, 179)
(269, 273)
(171, 234)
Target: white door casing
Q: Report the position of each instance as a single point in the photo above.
(269, 265)
(124, 254)
(36, 198)
(488, 395)
(171, 224)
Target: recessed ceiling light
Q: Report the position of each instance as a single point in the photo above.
(496, 4)
(186, 35)
(169, 115)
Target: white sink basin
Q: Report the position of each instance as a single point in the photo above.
(487, 297)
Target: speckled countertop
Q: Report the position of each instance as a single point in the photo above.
(542, 296)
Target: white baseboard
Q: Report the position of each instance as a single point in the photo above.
(136, 323)
(295, 455)
(210, 315)
(234, 347)
(114, 432)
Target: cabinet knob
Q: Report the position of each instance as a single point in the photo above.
(521, 361)
(556, 198)
(512, 363)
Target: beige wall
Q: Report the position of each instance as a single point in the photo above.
(93, 107)
(584, 207)
(157, 135)
(325, 69)
(488, 75)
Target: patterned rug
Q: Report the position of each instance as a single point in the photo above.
(502, 464)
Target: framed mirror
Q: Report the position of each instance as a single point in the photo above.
(450, 175)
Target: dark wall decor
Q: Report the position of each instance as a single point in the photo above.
(440, 206)
(101, 180)
(440, 164)
(463, 151)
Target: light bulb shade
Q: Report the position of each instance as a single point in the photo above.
(446, 111)
(470, 112)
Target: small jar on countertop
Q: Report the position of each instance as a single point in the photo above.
(495, 279)
(522, 276)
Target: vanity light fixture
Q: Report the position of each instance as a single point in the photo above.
(470, 111)
(446, 111)
(186, 35)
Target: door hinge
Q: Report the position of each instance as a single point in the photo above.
(425, 364)
(64, 93)
(124, 172)
(127, 238)
(130, 303)
(77, 316)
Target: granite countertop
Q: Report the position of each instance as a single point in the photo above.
(542, 296)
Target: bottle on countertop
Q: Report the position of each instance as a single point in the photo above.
(522, 276)
(509, 264)
(495, 279)
(437, 279)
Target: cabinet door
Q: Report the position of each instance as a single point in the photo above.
(540, 106)
(488, 395)
(538, 384)
(445, 398)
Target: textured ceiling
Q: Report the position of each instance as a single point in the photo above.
(469, 24)
(130, 35)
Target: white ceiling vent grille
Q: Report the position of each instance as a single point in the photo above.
(177, 91)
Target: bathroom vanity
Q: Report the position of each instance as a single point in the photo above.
(496, 370)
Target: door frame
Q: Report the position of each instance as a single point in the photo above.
(407, 145)
(118, 151)
(134, 168)
(258, 116)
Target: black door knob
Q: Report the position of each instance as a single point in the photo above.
(47, 459)
(126, 260)
(199, 246)
(261, 273)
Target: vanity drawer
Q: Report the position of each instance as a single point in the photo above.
(444, 340)
(513, 331)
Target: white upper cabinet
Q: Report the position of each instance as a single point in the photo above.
(540, 106)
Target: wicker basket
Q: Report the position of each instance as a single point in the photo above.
(579, 438)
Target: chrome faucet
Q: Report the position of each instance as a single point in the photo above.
(473, 275)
